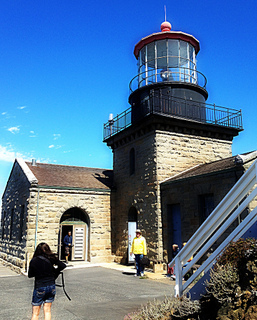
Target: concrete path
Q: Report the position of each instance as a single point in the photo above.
(106, 292)
(6, 272)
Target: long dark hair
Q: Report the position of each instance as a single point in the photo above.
(44, 250)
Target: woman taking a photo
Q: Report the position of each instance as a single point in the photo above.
(45, 267)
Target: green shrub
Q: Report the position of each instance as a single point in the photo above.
(170, 308)
(236, 251)
(223, 283)
(231, 290)
(154, 310)
(233, 283)
(242, 254)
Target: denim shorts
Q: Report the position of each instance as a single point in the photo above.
(43, 294)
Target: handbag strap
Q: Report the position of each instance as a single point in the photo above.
(63, 286)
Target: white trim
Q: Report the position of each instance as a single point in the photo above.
(243, 158)
(26, 170)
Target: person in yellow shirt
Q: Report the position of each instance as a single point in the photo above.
(138, 248)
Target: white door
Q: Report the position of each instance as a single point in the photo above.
(132, 226)
(79, 243)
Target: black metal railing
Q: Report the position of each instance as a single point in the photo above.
(175, 107)
(117, 124)
(179, 74)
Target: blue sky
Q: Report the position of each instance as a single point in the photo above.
(65, 65)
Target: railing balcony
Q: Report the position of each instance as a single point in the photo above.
(117, 124)
(175, 107)
(179, 74)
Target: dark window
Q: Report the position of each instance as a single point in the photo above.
(132, 161)
(11, 224)
(132, 215)
(21, 222)
(3, 224)
(206, 206)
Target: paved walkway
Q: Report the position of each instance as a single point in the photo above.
(6, 272)
(98, 292)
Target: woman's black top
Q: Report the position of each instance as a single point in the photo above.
(44, 271)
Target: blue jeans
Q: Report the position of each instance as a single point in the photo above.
(43, 294)
(139, 268)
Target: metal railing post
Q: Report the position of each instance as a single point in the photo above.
(178, 290)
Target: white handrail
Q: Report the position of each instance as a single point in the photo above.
(222, 217)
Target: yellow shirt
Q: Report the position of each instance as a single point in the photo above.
(139, 246)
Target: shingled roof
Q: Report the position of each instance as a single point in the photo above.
(53, 175)
(214, 167)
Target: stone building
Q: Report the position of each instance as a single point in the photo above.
(189, 197)
(172, 164)
(42, 202)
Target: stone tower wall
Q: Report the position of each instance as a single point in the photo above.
(177, 152)
(158, 155)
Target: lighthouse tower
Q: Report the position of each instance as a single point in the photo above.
(169, 128)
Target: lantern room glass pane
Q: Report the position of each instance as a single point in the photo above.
(161, 54)
(150, 56)
(141, 67)
(183, 61)
(191, 53)
(141, 60)
(150, 63)
(173, 53)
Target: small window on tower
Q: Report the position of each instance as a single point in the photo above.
(132, 161)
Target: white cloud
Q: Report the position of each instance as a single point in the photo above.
(56, 136)
(6, 115)
(14, 129)
(21, 108)
(8, 154)
(55, 146)
(32, 134)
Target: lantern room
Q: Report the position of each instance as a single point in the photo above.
(167, 56)
(167, 69)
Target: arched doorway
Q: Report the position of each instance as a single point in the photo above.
(76, 221)
(132, 214)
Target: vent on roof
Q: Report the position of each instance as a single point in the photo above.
(33, 162)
